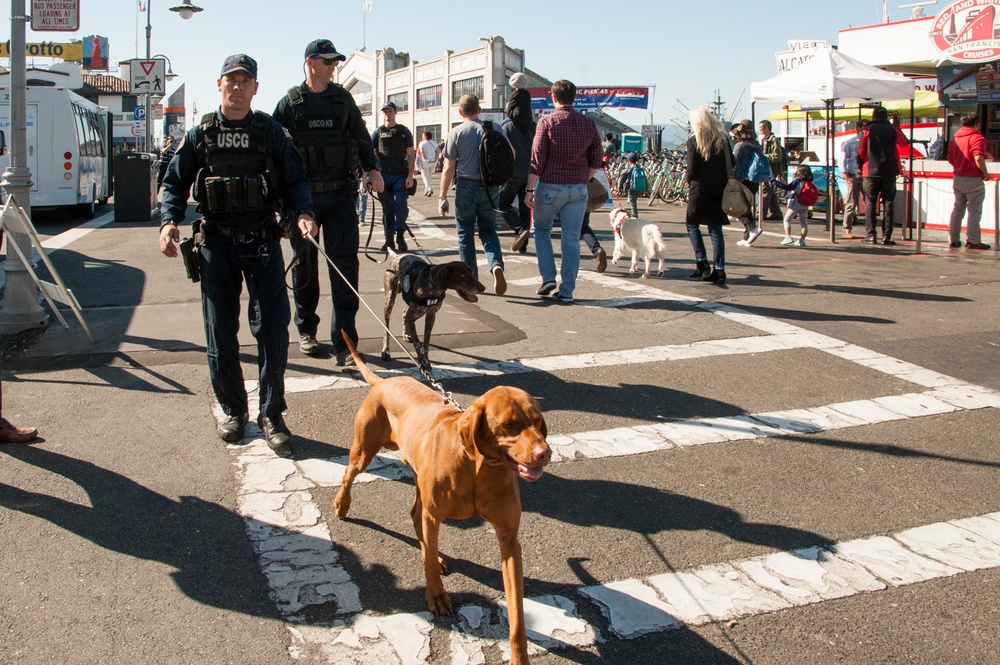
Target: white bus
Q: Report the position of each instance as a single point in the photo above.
(69, 149)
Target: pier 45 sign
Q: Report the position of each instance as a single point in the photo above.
(965, 31)
(55, 15)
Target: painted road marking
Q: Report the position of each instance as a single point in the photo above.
(302, 567)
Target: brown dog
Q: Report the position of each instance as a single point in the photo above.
(464, 464)
(423, 286)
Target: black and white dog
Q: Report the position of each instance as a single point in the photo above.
(423, 286)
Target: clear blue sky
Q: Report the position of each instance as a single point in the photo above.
(687, 50)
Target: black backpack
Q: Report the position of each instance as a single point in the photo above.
(496, 157)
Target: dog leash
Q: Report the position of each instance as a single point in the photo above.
(426, 373)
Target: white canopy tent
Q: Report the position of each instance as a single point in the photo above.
(828, 77)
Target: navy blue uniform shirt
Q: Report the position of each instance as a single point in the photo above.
(184, 167)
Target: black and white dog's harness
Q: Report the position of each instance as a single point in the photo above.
(411, 275)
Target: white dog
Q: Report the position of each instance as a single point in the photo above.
(637, 236)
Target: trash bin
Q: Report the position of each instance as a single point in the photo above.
(135, 187)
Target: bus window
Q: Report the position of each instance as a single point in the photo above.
(81, 131)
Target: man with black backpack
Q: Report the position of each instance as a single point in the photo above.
(468, 148)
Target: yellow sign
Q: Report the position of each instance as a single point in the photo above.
(72, 52)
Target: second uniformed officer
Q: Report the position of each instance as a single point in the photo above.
(327, 126)
(240, 162)
(396, 155)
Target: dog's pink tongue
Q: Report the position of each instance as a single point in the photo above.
(471, 297)
(529, 474)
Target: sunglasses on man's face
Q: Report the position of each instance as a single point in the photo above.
(326, 61)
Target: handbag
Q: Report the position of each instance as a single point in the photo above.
(597, 195)
(737, 200)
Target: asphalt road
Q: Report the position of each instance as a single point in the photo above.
(836, 402)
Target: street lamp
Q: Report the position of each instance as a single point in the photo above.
(170, 76)
(186, 10)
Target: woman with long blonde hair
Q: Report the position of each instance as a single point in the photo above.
(707, 174)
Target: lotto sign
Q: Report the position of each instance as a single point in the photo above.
(147, 76)
(965, 31)
(55, 15)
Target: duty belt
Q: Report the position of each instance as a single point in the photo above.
(237, 235)
(321, 186)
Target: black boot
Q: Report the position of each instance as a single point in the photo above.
(389, 244)
(701, 270)
(401, 241)
(717, 277)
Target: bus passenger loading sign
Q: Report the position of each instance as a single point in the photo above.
(55, 15)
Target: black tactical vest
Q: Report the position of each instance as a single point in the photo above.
(237, 179)
(319, 129)
(391, 143)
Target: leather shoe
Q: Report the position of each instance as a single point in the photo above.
(888, 241)
(231, 429)
(10, 433)
(602, 260)
(976, 245)
(954, 245)
(278, 438)
(869, 239)
(521, 241)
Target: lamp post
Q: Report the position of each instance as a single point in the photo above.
(20, 309)
(186, 10)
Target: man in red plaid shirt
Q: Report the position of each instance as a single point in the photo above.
(565, 155)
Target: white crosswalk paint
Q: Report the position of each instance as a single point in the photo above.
(301, 562)
(721, 592)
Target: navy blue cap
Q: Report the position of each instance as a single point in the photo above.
(239, 62)
(323, 48)
(389, 105)
(633, 157)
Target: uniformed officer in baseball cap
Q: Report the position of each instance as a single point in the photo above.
(323, 48)
(326, 125)
(242, 166)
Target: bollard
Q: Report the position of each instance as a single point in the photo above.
(920, 209)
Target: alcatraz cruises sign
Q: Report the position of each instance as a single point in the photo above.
(965, 31)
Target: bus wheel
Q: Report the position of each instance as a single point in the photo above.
(86, 210)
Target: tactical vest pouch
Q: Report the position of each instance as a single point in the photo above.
(234, 195)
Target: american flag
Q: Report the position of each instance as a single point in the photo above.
(142, 6)
(367, 5)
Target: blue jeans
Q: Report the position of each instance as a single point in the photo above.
(338, 229)
(362, 206)
(395, 208)
(474, 210)
(224, 268)
(718, 244)
(569, 203)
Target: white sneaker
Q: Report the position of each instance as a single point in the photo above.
(788, 241)
(801, 242)
(743, 243)
(754, 234)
